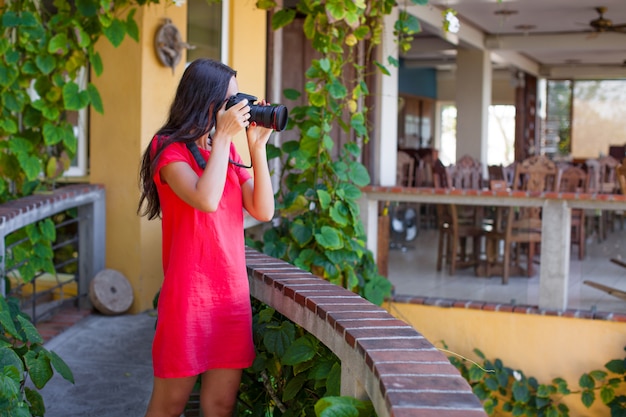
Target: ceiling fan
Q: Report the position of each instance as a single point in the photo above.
(602, 24)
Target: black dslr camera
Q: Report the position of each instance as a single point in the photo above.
(272, 117)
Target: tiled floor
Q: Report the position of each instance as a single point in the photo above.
(413, 272)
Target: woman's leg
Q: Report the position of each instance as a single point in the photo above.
(218, 393)
(169, 396)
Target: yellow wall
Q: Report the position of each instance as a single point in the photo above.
(544, 347)
(137, 90)
(247, 54)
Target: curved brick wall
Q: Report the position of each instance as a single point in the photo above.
(401, 372)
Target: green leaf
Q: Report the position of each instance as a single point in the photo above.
(45, 63)
(382, 68)
(10, 390)
(302, 233)
(39, 368)
(60, 366)
(407, 23)
(277, 339)
(342, 407)
(10, 19)
(336, 9)
(337, 90)
(31, 165)
(598, 375)
(588, 397)
(329, 238)
(293, 387)
(35, 400)
(58, 44)
(324, 64)
(131, 26)
(357, 122)
(52, 134)
(301, 350)
(265, 4)
(521, 392)
(96, 63)
(87, 8)
(291, 94)
(115, 32)
(586, 381)
(8, 357)
(32, 335)
(475, 373)
(282, 18)
(48, 230)
(73, 98)
(70, 141)
(607, 394)
(324, 198)
(8, 125)
(95, 99)
(616, 366)
(339, 213)
(544, 391)
(82, 37)
(358, 174)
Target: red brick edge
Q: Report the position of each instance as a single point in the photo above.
(510, 308)
(401, 371)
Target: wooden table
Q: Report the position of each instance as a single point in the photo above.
(556, 224)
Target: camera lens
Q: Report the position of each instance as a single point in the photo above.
(272, 117)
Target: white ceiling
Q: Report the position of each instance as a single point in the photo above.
(548, 38)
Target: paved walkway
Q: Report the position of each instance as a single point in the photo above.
(110, 357)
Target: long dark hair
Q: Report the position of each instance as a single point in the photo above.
(200, 93)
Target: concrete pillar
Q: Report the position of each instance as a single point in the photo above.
(385, 134)
(473, 97)
(555, 255)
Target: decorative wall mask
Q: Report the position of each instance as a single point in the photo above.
(169, 44)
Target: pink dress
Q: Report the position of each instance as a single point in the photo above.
(204, 313)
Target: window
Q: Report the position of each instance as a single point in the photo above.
(500, 139)
(206, 24)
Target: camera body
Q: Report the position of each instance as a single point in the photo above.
(272, 117)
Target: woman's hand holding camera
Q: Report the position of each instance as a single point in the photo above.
(232, 121)
(258, 135)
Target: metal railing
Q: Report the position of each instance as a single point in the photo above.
(81, 236)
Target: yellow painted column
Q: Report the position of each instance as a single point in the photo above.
(247, 54)
(136, 90)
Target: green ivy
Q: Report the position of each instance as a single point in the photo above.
(503, 389)
(23, 358)
(43, 50)
(320, 228)
(292, 371)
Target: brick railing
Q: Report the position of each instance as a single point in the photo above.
(382, 358)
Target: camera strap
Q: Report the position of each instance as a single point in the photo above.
(193, 148)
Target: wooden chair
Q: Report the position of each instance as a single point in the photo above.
(404, 217)
(496, 172)
(574, 180)
(459, 224)
(601, 179)
(405, 169)
(620, 173)
(520, 227)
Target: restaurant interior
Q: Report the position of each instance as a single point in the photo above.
(556, 123)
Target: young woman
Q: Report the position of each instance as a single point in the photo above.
(192, 177)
